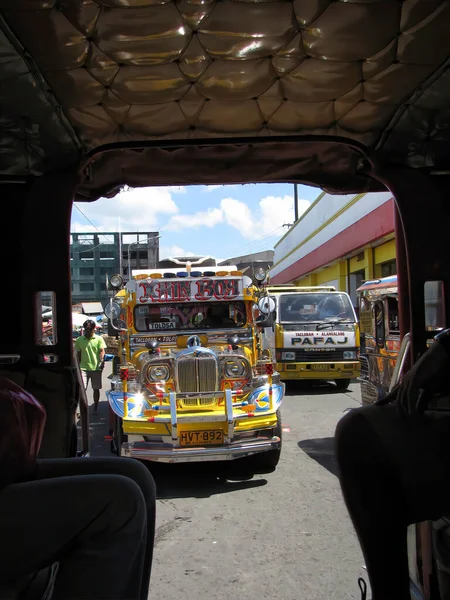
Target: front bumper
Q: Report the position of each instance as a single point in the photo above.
(168, 454)
(318, 370)
(158, 437)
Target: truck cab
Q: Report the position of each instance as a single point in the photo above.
(314, 334)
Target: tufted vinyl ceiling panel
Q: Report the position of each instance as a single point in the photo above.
(79, 74)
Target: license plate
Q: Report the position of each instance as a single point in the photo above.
(319, 367)
(201, 438)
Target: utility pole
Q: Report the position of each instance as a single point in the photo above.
(295, 202)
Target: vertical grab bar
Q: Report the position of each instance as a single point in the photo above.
(401, 360)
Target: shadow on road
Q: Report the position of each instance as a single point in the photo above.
(200, 480)
(312, 388)
(322, 451)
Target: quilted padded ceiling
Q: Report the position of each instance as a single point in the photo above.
(79, 74)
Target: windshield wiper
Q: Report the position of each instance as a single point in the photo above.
(332, 322)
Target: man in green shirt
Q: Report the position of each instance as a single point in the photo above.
(90, 350)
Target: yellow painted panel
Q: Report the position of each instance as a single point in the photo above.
(309, 280)
(368, 255)
(357, 265)
(328, 274)
(385, 252)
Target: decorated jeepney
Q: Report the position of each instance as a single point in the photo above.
(191, 381)
(380, 336)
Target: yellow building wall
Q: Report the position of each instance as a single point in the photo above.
(384, 253)
(371, 264)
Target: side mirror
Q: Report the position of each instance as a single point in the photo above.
(233, 340)
(266, 305)
(152, 345)
(266, 320)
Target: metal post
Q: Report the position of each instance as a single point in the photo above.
(173, 415)
(129, 258)
(295, 202)
(120, 250)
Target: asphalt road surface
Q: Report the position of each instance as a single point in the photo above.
(281, 536)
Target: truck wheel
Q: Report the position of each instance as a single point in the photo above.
(265, 462)
(342, 384)
(118, 437)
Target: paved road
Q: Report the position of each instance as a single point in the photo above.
(283, 536)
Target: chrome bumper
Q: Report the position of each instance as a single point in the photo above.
(149, 451)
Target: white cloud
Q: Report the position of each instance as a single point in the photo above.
(140, 209)
(268, 219)
(211, 188)
(209, 218)
(168, 251)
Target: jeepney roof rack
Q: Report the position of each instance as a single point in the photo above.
(381, 282)
(297, 288)
(194, 272)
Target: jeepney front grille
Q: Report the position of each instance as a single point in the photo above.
(364, 367)
(197, 374)
(320, 355)
(197, 402)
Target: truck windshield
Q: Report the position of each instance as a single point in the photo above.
(185, 316)
(300, 308)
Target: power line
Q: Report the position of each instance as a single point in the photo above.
(258, 241)
(89, 221)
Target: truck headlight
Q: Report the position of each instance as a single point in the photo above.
(349, 355)
(288, 356)
(158, 373)
(235, 368)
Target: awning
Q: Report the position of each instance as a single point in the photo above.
(92, 308)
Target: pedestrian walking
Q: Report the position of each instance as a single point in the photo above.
(90, 350)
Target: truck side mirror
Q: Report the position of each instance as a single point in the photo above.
(266, 320)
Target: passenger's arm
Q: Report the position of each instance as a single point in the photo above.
(101, 354)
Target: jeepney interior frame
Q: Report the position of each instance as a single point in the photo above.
(65, 136)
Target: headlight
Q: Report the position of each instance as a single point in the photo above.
(260, 274)
(349, 355)
(158, 373)
(116, 281)
(235, 368)
(288, 356)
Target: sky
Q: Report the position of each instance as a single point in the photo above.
(222, 221)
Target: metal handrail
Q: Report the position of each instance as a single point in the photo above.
(401, 361)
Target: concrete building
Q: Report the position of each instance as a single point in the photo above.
(340, 241)
(247, 262)
(95, 256)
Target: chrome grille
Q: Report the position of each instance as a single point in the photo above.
(364, 367)
(369, 392)
(197, 402)
(197, 374)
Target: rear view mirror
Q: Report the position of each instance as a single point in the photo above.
(266, 305)
(265, 320)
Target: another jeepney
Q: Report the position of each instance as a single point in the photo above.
(314, 334)
(192, 382)
(380, 336)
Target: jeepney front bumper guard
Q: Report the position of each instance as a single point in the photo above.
(164, 452)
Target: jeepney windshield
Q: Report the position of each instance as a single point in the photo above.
(314, 307)
(186, 316)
